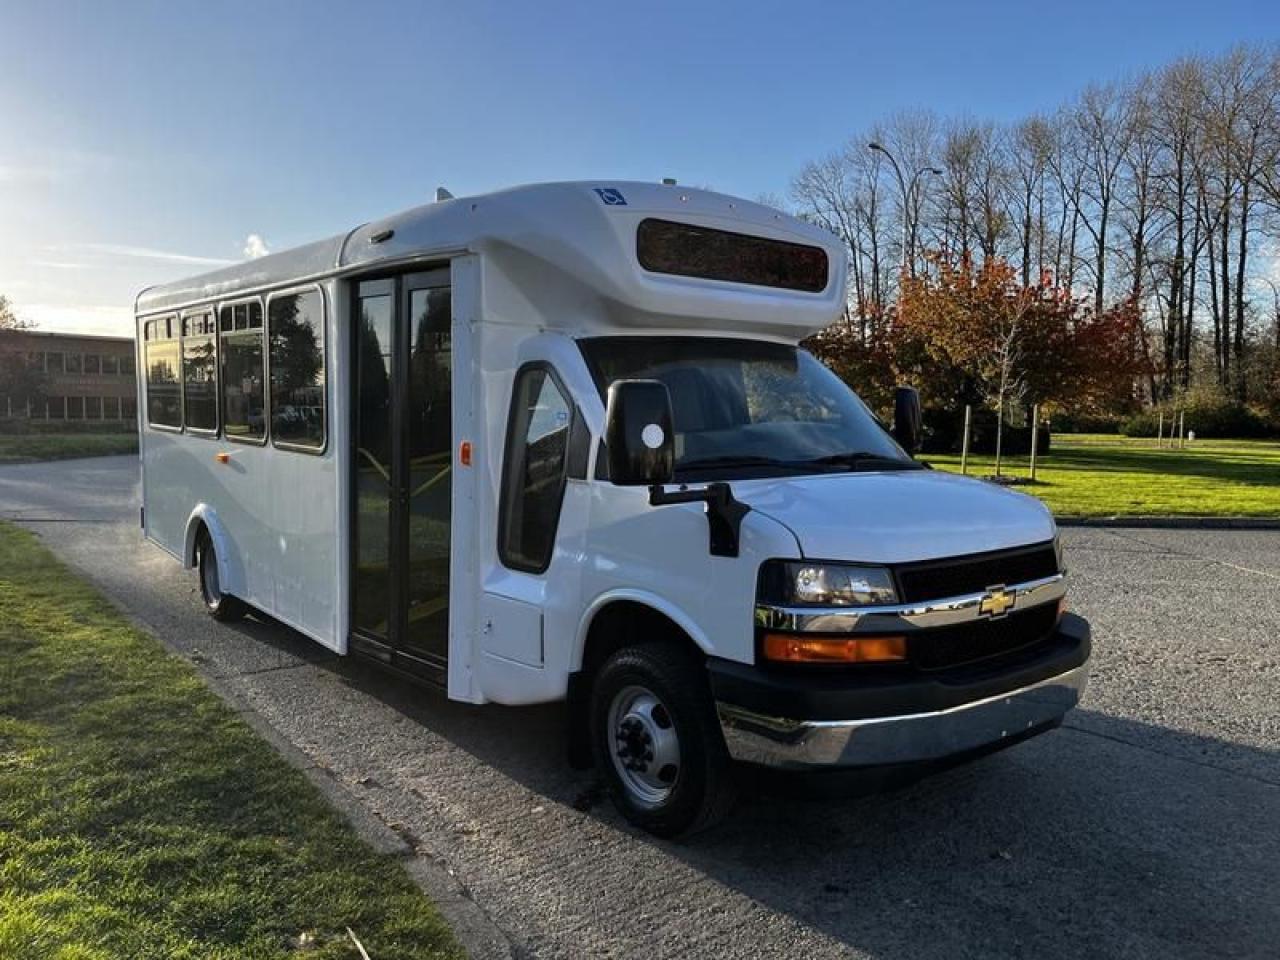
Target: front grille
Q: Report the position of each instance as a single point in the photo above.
(957, 576)
(942, 647)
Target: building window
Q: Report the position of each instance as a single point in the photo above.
(110, 364)
(35, 360)
(127, 365)
(164, 399)
(53, 362)
(296, 329)
(92, 363)
(534, 472)
(200, 371)
(243, 372)
(72, 363)
(93, 408)
(128, 408)
(57, 408)
(75, 408)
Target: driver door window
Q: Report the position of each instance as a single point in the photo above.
(535, 470)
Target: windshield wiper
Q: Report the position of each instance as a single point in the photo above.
(732, 460)
(864, 459)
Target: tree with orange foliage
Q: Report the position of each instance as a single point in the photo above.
(1014, 343)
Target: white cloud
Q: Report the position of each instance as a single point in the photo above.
(255, 246)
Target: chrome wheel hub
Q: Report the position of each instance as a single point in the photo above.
(645, 748)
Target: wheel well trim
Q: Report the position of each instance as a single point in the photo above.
(644, 598)
(205, 516)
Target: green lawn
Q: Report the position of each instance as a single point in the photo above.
(64, 446)
(140, 817)
(1098, 475)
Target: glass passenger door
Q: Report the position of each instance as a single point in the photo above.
(402, 471)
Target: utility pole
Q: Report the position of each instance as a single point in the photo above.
(909, 195)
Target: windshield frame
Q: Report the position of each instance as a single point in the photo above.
(880, 453)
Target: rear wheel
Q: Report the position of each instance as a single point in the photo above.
(221, 606)
(657, 742)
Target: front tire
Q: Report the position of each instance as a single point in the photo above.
(657, 742)
(221, 606)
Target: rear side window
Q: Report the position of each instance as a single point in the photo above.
(244, 415)
(200, 371)
(535, 470)
(161, 356)
(296, 322)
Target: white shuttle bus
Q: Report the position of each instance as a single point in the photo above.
(559, 442)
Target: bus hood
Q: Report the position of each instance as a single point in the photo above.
(897, 516)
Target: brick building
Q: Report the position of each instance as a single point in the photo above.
(86, 377)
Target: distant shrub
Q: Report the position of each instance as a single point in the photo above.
(1209, 416)
(944, 433)
(1063, 422)
(21, 427)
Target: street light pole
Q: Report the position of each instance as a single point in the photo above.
(908, 195)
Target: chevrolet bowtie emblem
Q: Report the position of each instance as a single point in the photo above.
(996, 602)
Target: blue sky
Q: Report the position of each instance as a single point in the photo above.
(141, 142)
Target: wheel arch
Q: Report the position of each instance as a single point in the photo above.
(230, 568)
(624, 615)
(614, 621)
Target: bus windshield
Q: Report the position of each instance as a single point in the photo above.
(746, 408)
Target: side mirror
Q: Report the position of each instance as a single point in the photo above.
(906, 419)
(638, 433)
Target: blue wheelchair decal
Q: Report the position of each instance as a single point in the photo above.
(611, 197)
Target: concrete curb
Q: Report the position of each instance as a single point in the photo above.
(475, 931)
(1174, 523)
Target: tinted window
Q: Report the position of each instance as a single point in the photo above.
(126, 365)
(93, 408)
(534, 473)
(691, 251)
(57, 408)
(73, 364)
(110, 363)
(296, 327)
(164, 398)
(200, 371)
(92, 363)
(75, 408)
(243, 374)
(53, 362)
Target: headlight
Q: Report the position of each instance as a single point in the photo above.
(795, 583)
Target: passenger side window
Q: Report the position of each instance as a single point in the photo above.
(296, 329)
(160, 354)
(200, 371)
(243, 372)
(535, 470)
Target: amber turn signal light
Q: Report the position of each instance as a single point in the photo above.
(222, 457)
(797, 648)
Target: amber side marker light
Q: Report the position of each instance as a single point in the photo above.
(790, 648)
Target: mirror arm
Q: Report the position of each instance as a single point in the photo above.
(724, 512)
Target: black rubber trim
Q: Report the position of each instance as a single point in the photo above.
(857, 695)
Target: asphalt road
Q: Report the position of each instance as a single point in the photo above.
(1148, 826)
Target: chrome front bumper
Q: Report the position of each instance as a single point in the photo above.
(910, 738)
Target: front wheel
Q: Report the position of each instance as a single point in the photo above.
(221, 606)
(657, 742)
